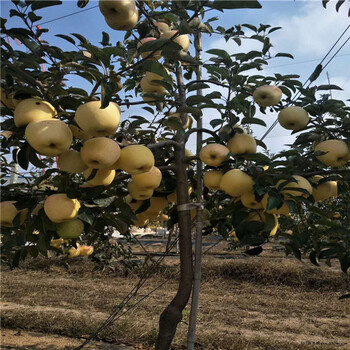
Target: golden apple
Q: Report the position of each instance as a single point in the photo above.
(74, 252)
(71, 162)
(182, 40)
(96, 121)
(288, 189)
(139, 193)
(283, 210)
(337, 152)
(177, 118)
(136, 159)
(49, 137)
(267, 95)
(212, 179)
(8, 213)
(33, 109)
(156, 55)
(158, 203)
(323, 191)
(152, 87)
(334, 185)
(162, 26)
(86, 250)
(103, 177)
(57, 243)
(242, 144)
(100, 152)
(293, 118)
(59, 208)
(6, 99)
(79, 133)
(235, 183)
(249, 201)
(213, 154)
(70, 229)
(119, 14)
(150, 180)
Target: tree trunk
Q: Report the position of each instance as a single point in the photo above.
(172, 314)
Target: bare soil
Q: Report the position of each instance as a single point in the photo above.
(260, 303)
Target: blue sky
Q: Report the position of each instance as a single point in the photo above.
(308, 31)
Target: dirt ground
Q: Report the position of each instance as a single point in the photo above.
(259, 303)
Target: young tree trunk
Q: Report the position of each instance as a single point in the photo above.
(172, 314)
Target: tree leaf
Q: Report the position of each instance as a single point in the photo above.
(248, 120)
(283, 54)
(254, 251)
(22, 156)
(329, 87)
(234, 4)
(66, 37)
(316, 73)
(40, 4)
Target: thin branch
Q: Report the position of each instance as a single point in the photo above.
(206, 81)
(212, 133)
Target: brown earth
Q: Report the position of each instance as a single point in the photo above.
(257, 303)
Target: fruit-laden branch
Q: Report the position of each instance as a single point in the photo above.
(172, 314)
(144, 102)
(207, 81)
(175, 144)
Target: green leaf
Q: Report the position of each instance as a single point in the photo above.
(22, 156)
(155, 67)
(254, 251)
(40, 4)
(274, 202)
(345, 263)
(234, 4)
(314, 258)
(85, 214)
(33, 158)
(80, 37)
(197, 86)
(66, 37)
(221, 53)
(105, 39)
(283, 54)
(328, 87)
(33, 17)
(316, 73)
(253, 121)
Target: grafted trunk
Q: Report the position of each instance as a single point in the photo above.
(172, 314)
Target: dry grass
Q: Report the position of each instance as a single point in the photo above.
(256, 303)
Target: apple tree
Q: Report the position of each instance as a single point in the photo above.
(93, 170)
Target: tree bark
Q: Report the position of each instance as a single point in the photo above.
(172, 314)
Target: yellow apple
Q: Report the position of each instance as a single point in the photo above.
(182, 40)
(158, 203)
(242, 144)
(267, 95)
(136, 159)
(283, 210)
(100, 152)
(212, 179)
(156, 55)
(71, 162)
(8, 213)
(287, 190)
(57, 243)
(334, 185)
(261, 217)
(150, 180)
(6, 99)
(249, 201)
(49, 137)
(33, 109)
(86, 250)
(103, 177)
(235, 183)
(119, 14)
(79, 133)
(233, 235)
(293, 118)
(323, 191)
(96, 121)
(337, 152)
(152, 87)
(177, 118)
(71, 229)
(139, 193)
(213, 154)
(162, 26)
(74, 252)
(59, 208)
